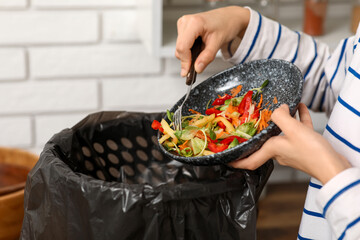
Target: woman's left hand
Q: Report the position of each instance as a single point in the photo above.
(300, 147)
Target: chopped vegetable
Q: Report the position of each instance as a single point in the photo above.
(210, 111)
(193, 111)
(169, 115)
(244, 101)
(202, 122)
(168, 130)
(230, 121)
(156, 125)
(260, 102)
(235, 91)
(221, 100)
(217, 147)
(275, 100)
(230, 139)
(234, 143)
(197, 145)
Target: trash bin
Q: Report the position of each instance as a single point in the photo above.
(105, 178)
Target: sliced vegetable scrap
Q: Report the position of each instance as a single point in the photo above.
(228, 122)
(236, 90)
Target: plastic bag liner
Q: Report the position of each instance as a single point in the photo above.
(105, 178)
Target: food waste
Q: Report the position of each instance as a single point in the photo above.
(229, 120)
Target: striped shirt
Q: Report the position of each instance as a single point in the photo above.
(331, 85)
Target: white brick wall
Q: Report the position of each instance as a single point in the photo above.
(47, 125)
(119, 25)
(13, 4)
(62, 60)
(48, 96)
(149, 93)
(12, 64)
(23, 28)
(16, 131)
(96, 60)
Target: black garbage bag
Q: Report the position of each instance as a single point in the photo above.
(105, 178)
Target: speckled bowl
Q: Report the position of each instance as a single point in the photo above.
(285, 82)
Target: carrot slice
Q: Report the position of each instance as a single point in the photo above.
(275, 101)
(260, 102)
(184, 145)
(200, 135)
(193, 111)
(235, 91)
(265, 118)
(230, 109)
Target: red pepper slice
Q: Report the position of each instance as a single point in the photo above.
(217, 147)
(245, 103)
(210, 111)
(229, 140)
(156, 125)
(221, 100)
(221, 125)
(244, 117)
(256, 113)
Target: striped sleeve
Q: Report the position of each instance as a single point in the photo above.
(313, 224)
(338, 199)
(323, 72)
(339, 208)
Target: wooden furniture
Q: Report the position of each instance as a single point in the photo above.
(15, 164)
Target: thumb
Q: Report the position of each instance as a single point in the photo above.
(304, 115)
(282, 118)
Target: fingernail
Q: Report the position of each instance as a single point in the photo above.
(200, 67)
(183, 72)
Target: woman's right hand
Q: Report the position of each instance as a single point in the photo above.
(216, 27)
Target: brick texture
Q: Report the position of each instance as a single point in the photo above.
(52, 96)
(15, 131)
(111, 60)
(142, 94)
(12, 64)
(10, 4)
(48, 125)
(119, 25)
(48, 27)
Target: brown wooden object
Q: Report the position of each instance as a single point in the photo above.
(14, 167)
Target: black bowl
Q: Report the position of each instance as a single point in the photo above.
(285, 83)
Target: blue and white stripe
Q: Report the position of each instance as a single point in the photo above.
(297, 48)
(254, 39)
(340, 59)
(276, 43)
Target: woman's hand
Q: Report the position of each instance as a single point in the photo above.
(216, 28)
(300, 147)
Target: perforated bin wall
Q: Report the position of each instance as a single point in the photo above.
(106, 178)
